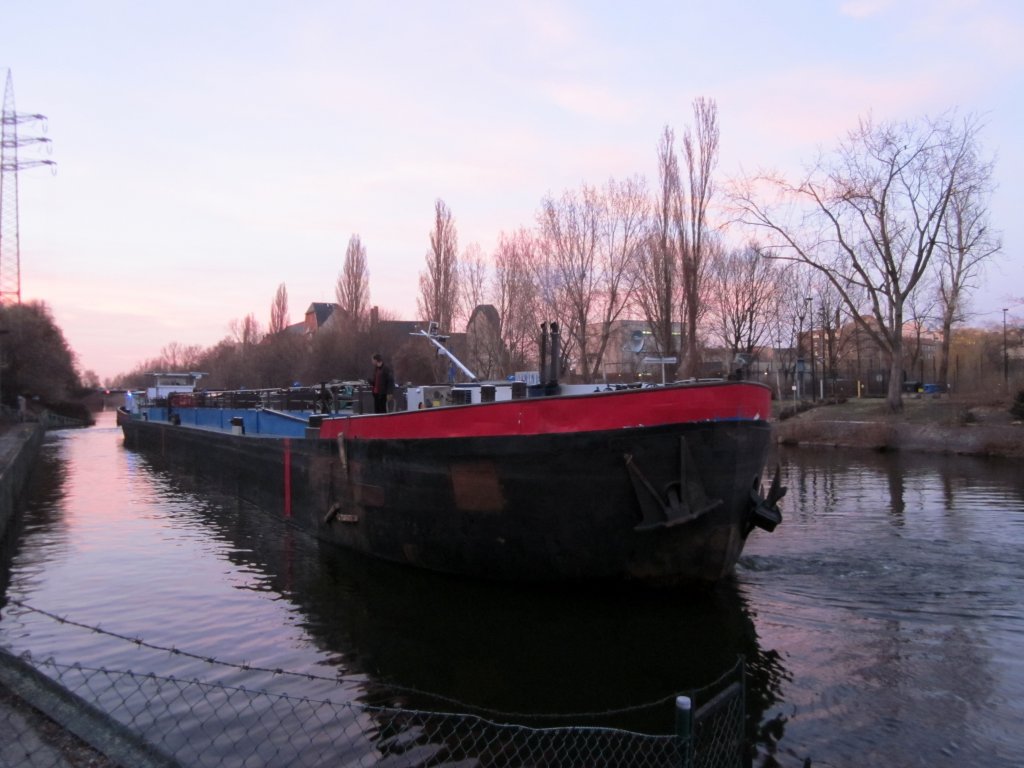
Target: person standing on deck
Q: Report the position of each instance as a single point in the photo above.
(382, 384)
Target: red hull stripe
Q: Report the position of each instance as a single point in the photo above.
(624, 409)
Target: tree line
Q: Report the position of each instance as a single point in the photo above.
(889, 230)
(36, 362)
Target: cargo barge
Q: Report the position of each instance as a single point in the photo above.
(657, 485)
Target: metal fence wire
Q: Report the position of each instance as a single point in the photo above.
(55, 714)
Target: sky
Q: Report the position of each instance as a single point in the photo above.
(209, 151)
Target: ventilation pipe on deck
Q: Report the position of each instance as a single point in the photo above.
(542, 369)
(556, 353)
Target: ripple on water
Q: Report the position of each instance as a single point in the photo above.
(882, 622)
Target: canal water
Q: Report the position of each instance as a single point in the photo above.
(882, 623)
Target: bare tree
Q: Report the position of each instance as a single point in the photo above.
(921, 308)
(485, 353)
(180, 357)
(516, 296)
(700, 148)
(873, 215)
(439, 283)
(280, 358)
(743, 286)
(587, 273)
(242, 359)
(826, 315)
(969, 243)
(621, 243)
(352, 291)
(658, 285)
(791, 324)
(473, 279)
(570, 227)
(246, 331)
(221, 363)
(279, 311)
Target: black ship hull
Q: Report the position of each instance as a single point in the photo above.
(664, 504)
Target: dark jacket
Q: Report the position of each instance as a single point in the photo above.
(382, 382)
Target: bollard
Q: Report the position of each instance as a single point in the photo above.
(684, 729)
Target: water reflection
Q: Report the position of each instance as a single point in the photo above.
(434, 641)
(45, 492)
(893, 595)
(822, 480)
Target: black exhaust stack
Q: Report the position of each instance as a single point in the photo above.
(547, 369)
(556, 352)
(542, 368)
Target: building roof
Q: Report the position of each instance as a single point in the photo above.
(321, 311)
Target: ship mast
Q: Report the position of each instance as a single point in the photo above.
(433, 335)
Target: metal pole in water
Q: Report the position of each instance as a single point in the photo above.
(287, 477)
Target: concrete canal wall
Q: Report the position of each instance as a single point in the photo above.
(19, 446)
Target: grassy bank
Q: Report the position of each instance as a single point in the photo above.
(937, 424)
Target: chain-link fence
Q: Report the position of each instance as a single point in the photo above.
(70, 714)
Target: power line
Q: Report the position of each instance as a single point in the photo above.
(10, 165)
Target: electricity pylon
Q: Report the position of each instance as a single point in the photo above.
(10, 165)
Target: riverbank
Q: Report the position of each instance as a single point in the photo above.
(19, 446)
(928, 424)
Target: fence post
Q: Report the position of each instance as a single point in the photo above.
(684, 729)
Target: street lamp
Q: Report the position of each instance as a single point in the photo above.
(800, 314)
(824, 352)
(1006, 357)
(810, 311)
